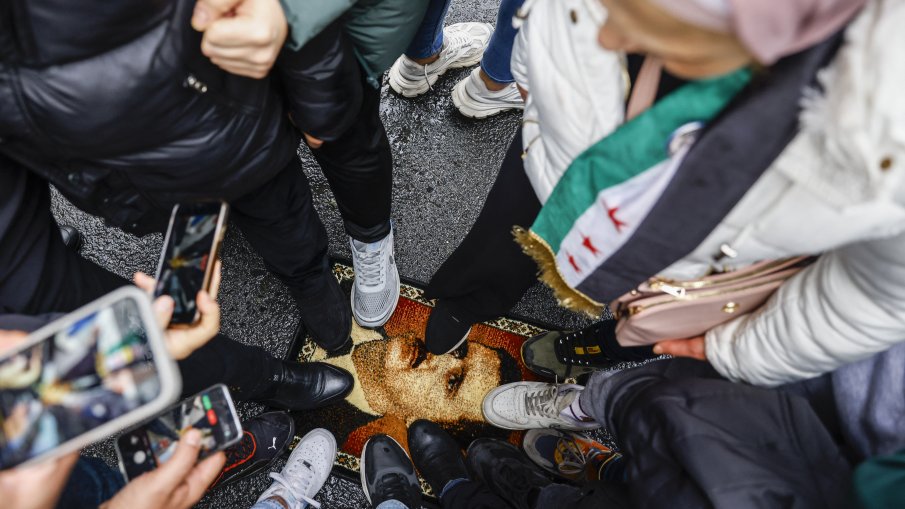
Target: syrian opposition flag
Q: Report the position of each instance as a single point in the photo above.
(609, 189)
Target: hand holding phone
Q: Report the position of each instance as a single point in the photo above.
(182, 341)
(179, 483)
(189, 251)
(211, 411)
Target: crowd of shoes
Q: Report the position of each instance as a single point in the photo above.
(720, 184)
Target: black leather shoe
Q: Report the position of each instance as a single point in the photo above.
(445, 330)
(387, 473)
(326, 312)
(72, 238)
(264, 439)
(308, 385)
(506, 471)
(435, 453)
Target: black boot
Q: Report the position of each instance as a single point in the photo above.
(506, 471)
(446, 329)
(387, 473)
(307, 386)
(264, 439)
(72, 238)
(435, 453)
(326, 312)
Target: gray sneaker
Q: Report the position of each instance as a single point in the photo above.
(530, 405)
(474, 100)
(463, 46)
(375, 291)
(306, 471)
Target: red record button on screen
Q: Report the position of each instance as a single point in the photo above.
(211, 417)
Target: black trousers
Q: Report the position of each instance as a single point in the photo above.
(39, 275)
(488, 273)
(331, 101)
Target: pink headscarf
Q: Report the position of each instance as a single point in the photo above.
(769, 29)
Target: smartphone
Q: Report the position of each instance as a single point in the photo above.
(211, 411)
(189, 252)
(84, 377)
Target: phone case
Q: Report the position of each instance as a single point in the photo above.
(168, 373)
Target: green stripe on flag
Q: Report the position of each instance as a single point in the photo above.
(630, 150)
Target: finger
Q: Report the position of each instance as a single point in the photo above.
(201, 477)
(145, 282)
(239, 31)
(209, 324)
(242, 69)
(215, 280)
(171, 473)
(163, 310)
(693, 348)
(208, 11)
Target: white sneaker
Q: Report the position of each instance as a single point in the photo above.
(306, 471)
(375, 291)
(530, 405)
(463, 46)
(474, 100)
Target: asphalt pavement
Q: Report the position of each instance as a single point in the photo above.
(444, 167)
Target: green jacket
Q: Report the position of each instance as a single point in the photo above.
(380, 29)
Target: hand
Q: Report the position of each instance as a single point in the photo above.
(177, 484)
(243, 37)
(692, 347)
(182, 342)
(36, 486)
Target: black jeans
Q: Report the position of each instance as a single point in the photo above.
(330, 100)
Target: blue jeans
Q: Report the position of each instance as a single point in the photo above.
(90, 484)
(428, 40)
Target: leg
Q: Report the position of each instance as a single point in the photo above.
(706, 441)
(280, 222)
(469, 494)
(428, 40)
(90, 484)
(488, 273)
(498, 54)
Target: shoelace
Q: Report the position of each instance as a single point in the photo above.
(370, 270)
(458, 40)
(542, 403)
(574, 461)
(298, 494)
(394, 486)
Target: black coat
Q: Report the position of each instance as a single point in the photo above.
(114, 104)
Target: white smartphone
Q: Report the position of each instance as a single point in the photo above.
(84, 377)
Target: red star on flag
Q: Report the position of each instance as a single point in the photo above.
(611, 211)
(573, 263)
(586, 242)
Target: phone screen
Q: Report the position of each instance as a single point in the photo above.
(187, 256)
(95, 370)
(210, 411)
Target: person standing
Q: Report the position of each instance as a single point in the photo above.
(490, 89)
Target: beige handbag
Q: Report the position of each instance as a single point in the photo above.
(665, 309)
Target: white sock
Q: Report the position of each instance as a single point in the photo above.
(574, 410)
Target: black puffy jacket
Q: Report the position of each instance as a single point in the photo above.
(114, 104)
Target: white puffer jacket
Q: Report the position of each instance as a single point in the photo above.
(838, 188)
(576, 89)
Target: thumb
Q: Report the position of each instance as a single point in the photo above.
(208, 11)
(183, 460)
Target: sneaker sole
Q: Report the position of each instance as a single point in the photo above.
(361, 467)
(383, 320)
(469, 112)
(398, 83)
(457, 345)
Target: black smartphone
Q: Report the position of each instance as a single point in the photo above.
(211, 411)
(189, 251)
(84, 377)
